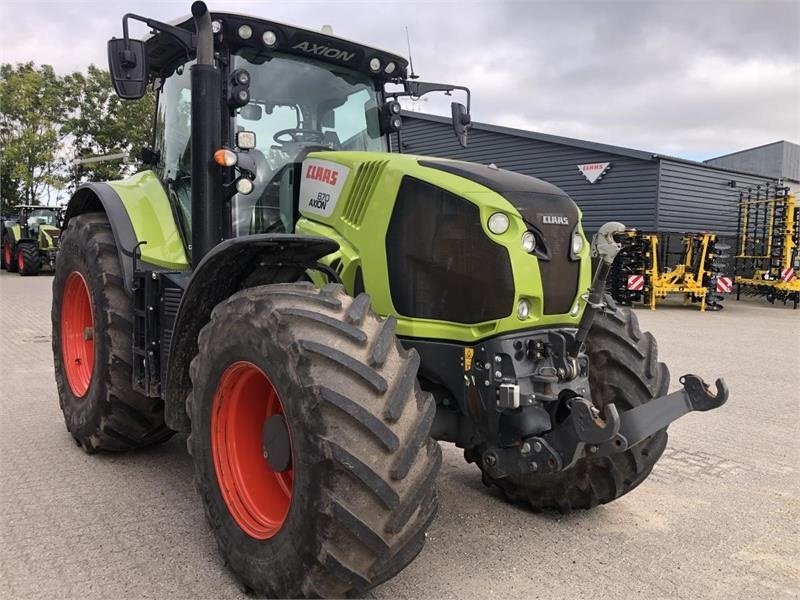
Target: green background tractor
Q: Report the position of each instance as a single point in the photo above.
(30, 243)
(316, 312)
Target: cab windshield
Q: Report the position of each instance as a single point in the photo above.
(297, 106)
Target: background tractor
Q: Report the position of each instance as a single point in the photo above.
(30, 242)
(315, 312)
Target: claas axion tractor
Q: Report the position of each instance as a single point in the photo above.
(315, 312)
(30, 242)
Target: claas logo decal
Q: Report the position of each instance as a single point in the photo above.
(322, 174)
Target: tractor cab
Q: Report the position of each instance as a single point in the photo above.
(285, 92)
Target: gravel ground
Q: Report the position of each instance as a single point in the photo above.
(718, 518)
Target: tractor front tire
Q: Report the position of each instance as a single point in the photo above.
(93, 346)
(343, 502)
(29, 262)
(623, 370)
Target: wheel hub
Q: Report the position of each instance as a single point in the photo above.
(251, 449)
(275, 443)
(77, 334)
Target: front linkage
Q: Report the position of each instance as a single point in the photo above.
(584, 431)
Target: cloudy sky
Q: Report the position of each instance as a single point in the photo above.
(692, 79)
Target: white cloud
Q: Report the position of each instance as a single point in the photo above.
(694, 79)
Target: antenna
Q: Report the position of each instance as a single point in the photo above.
(410, 60)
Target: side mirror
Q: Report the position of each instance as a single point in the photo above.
(127, 63)
(461, 122)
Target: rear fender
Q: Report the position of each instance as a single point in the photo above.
(231, 266)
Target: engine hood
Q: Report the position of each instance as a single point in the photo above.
(547, 210)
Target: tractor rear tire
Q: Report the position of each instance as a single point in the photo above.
(623, 370)
(29, 262)
(9, 255)
(93, 346)
(352, 507)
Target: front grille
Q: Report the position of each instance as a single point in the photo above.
(560, 272)
(441, 264)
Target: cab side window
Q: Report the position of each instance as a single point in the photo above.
(173, 139)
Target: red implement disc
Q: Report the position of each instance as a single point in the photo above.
(77, 334)
(257, 497)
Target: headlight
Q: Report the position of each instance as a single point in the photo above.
(269, 38)
(244, 185)
(523, 309)
(528, 242)
(245, 32)
(577, 243)
(375, 64)
(498, 223)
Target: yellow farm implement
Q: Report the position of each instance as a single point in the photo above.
(649, 269)
(767, 259)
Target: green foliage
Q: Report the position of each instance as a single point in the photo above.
(31, 111)
(46, 121)
(101, 124)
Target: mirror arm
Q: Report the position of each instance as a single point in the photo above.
(417, 89)
(187, 38)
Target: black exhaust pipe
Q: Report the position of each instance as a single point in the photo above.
(206, 139)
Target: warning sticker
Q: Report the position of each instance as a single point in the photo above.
(724, 285)
(636, 283)
(469, 353)
(320, 186)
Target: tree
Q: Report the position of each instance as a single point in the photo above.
(31, 110)
(47, 121)
(101, 124)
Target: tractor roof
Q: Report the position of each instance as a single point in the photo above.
(242, 32)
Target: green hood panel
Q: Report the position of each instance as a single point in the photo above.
(356, 208)
(153, 220)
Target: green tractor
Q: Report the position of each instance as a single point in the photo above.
(30, 243)
(316, 312)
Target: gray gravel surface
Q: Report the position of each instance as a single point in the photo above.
(718, 518)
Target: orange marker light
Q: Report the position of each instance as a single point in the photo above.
(225, 158)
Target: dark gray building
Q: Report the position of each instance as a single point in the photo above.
(643, 190)
(778, 159)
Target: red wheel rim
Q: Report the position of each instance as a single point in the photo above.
(21, 261)
(257, 497)
(77, 334)
(7, 253)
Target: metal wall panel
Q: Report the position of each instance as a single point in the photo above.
(697, 198)
(626, 193)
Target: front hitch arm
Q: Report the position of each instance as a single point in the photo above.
(585, 433)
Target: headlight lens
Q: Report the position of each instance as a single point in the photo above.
(523, 309)
(375, 64)
(498, 223)
(577, 243)
(269, 38)
(245, 32)
(528, 242)
(244, 185)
